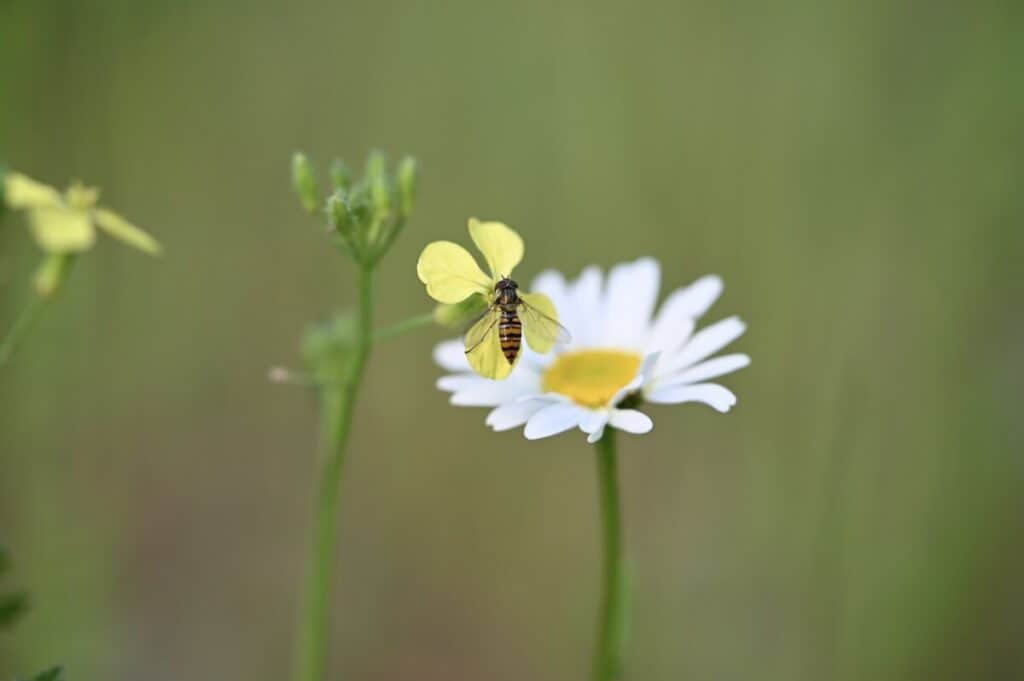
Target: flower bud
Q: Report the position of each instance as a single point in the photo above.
(328, 345)
(408, 172)
(51, 274)
(305, 183)
(341, 176)
(338, 214)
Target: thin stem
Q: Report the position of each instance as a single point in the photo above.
(22, 324)
(50, 276)
(337, 405)
(404, 326)
(608, 658)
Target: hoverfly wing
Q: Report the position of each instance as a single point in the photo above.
(540, 324)
(482, 327)
(483, 349)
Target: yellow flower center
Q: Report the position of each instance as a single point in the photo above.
(591, 377)
(80, 197)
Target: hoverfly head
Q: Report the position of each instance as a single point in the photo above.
(505, 284)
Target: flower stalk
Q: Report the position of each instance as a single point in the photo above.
(49, 279)
(611, 632)
(363, 224)
(26, 318)
(403, 327)
(337, 405)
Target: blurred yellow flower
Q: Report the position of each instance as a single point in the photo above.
(67, 223)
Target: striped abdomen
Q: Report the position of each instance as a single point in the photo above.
(510, 331)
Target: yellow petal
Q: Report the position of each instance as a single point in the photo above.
(488, 360)
(501, 246)
(450, 273)
(59, 230)
(541, 330)
(23, 192)
(457, 315)
(122, 230)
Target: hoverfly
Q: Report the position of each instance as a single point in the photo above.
(501, 327)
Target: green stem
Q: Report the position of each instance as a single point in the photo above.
(22, 324)
(337, 405)
(49, 278)
(611, 633)
(404, 326)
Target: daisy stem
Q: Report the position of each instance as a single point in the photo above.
(404, 326)
(608, 658)
(337, 405)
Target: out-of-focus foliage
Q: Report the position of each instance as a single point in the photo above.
(12, 603)
(851, 168)
(52, 674)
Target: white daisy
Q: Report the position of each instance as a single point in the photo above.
(620, 357)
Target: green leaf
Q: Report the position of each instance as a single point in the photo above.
(11, 608)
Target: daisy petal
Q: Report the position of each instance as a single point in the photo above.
(631, 421)
(513, 415)
(500, 245)
(631, 294)
(450, 273)
(705, 342)
(593, 424)
(552, 284)
(593, 421)
(675, 321)
(469, 390)
(711, 394)
(451, 355)
(695, 299)
(586, 306)
(453, 383)
(719, 366)
(553, 419)
(647, 366)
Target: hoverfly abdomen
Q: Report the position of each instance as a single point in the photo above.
(510, 332)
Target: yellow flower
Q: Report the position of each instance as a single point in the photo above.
(67, 223)
(452, 277)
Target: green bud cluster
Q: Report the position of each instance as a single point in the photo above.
(327, 347)
(365, 215)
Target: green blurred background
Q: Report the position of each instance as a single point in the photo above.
(852, 169)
